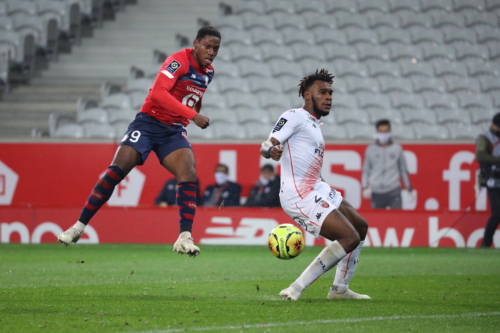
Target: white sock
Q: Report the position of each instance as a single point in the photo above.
(345, 270)
(79, 225)
(327, 259)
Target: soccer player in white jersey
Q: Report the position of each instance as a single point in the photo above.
(297, 141)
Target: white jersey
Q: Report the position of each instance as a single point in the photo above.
(300, 134)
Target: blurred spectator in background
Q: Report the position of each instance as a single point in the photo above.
(488, 156)
(168, 194)
(223, 192)
(383, 167)
(265, 192)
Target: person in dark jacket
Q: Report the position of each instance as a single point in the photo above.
(223, 192)
(265, 192)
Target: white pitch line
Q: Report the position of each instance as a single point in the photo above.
(324, 321)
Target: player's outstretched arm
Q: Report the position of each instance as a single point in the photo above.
(271, 148)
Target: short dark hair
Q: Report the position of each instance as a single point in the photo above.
(307, 81)
(207, 31)
(382, 122)
(268, 167)
(220, 165)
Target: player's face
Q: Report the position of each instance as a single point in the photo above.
(321, 96)
(205, 50)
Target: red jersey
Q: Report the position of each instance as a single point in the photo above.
(178, 89)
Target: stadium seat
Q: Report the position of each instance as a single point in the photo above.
(195, 132)
(357, 36)
(370, 102)
(256, 131)
(347, 101)
(463, 85)
(359, 131)
(404, 5)
(336, 6)
(214, 100)
(494, 51)
(482, 115)
(409, 69)
(240, 52)
(472, 101)
(263, 36)
(377, 20)
(249, 68)
(69, 131)
(122, 115)
(143, 84)
(436, 5)
(346, 68)
(232, 36)
(409, 20)
(438, 51)
(453, 116)
(388, 36)
(439, 101)
(229, 84)
(256, 116)
(393, 115)
(463, 131)
(443, 68)
(389, 84)
(378, 68)
(226, 69)
(312, 52)
(409, 52)
(315, 21)
(264, 84)
(218, 115)
(487, 34)
(380, 6)
(94, 115)
(344, 116)
(355, 85)
(224, 54)
(268, 100)
(370, 53)
(423, 84)
(279, 6)
(233, 22)
(431, 132)
(333, 131)
(223, 131)
(473, 19)
(421, 35)
(489, 84)
(445, 19)
(289, 68)
(419, 116)
(288, 86)
(464, 51)
(336, 52)
(302, 37)
(116, 101)
(477, 68)
(476, 5)
(137, 99)
(282, 21)
(496, 101)
(253, 6)
(324, 35)
(403, 133)
(402, 101)
(315, 6)
(236, 100)
(93, 130)
(120, 129)
(492, 5)
(26, 7)
(454, 35)
(271, 52)
(258, 22)
(346, 20)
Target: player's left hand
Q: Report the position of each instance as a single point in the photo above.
(201, 120)
(277, 152)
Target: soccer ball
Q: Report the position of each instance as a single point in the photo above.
(286, 241)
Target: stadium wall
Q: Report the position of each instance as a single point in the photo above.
(43, 186)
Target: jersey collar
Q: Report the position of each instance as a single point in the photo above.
(312, 117)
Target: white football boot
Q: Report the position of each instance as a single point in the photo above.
(185, 244)
(72, 235)
(290, 294)
(348, 294)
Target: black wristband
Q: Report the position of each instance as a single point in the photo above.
(270, 150)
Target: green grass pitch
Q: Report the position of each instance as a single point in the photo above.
(148, 288)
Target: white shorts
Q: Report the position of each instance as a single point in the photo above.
(311, 211)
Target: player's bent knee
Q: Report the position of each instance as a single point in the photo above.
(352, 242)
(362, 228)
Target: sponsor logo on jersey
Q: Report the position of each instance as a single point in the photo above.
(199, 92)
(325, 205)
(280, 125)
(173, 66)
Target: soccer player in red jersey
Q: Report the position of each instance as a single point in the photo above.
(173, 100)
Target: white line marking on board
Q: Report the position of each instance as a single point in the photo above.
(319, 321)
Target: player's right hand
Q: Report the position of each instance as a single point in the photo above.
(201, 120)
(277, 152)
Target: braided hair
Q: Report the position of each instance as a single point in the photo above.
(307, 81)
